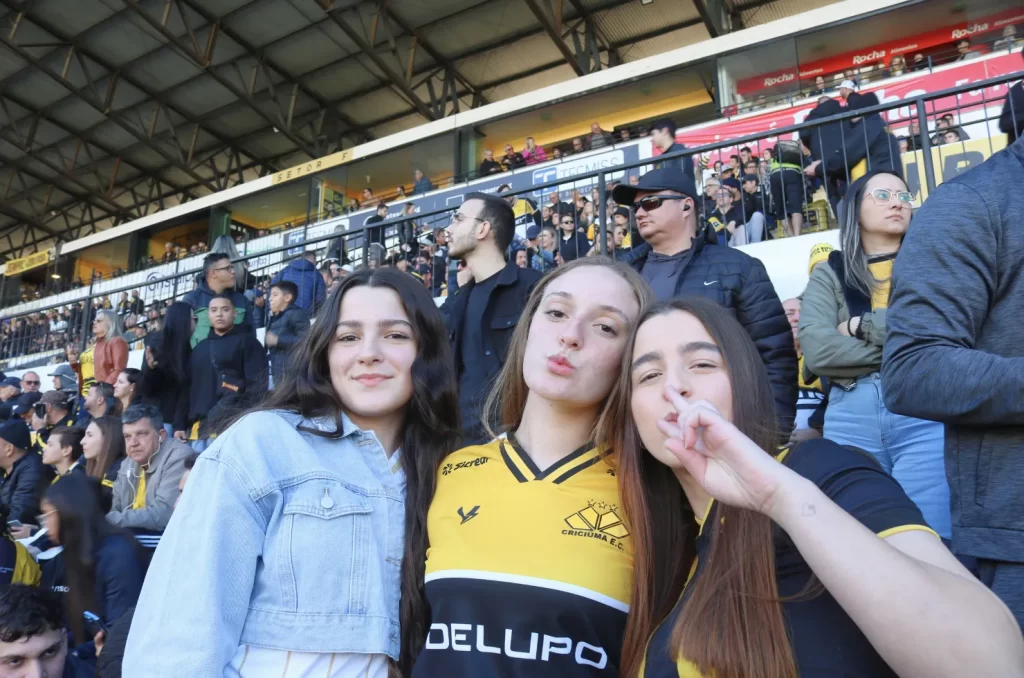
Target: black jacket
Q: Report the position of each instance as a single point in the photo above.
(162, 388)
(737, 281)
(229, 373)
(867, 138)
(1011, 121)
(120, 569)
(289, 325)
(22, 488)
(504, 306)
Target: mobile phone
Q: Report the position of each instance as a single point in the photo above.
(13, 523)
(93, 624)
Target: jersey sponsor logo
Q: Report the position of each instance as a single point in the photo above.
(472, 463)
(466, 517)
(598, 520)
(457, 637)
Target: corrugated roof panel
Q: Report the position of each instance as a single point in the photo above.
(119, 42)
(534, 82)
(305, 52)
(518, 57)
(485, 24)
(663, 43)
(76, 15)
(262, 23)
(374, 106)
(622, 23)
(780, 9)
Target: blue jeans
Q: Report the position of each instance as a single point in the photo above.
(911, 450)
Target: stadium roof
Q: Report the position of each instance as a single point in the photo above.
(112, 109)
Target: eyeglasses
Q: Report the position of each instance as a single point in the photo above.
(229, 267)
(41, 518)
(30, 383)
(653, 202)
(883, 197)
(458, 218)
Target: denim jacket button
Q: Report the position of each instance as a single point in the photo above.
(326, 500)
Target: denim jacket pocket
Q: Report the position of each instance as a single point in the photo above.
(330, 547)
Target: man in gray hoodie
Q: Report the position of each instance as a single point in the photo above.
(954, 352)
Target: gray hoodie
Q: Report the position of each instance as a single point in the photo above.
(954, 350)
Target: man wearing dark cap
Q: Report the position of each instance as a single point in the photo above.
(65, 379)
(677, 260)
(23, 480)
(540, 259)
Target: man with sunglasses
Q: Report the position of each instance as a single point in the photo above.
(679, 259)
(30, 382)
(572, 243)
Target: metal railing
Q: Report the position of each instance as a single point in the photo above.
(24, 340)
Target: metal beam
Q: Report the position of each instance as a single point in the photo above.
(27, 219)
(705, 16)
(367, 49)
(555, 35)
(162, 99)
(202, 61)
(98, 105)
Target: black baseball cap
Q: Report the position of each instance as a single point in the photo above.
(750, 177)
(621, 211)
(25, 402)
(662, 179)
(15, 431)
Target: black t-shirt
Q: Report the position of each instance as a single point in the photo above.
(375, 235)
(474, 355)
(825, 640)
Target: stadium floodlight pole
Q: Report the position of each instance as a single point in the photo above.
(926, 144)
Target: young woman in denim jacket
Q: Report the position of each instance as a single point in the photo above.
(288, 547)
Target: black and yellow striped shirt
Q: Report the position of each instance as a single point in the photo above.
(528, 571)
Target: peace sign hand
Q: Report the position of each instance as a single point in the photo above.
(728, 465)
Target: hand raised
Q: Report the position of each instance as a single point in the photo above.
(728, 465)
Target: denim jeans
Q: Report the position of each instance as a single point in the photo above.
(909, 449)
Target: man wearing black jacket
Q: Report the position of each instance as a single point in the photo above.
(229, 371)
(676, 262)
(23, 480)
(482, 315)
(288, 323)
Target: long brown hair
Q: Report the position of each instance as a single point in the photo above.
(113, 446)
(732, 622)
(507, 400)
(430, 427)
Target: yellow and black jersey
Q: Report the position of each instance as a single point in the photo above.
(826, 642)
(16, 564)
(528, 572)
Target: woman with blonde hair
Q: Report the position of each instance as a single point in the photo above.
(106, 358)
(532, 153)
(530, 566)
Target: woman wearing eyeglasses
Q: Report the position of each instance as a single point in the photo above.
(842, 330)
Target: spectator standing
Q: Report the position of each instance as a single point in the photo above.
(663, 136)
(846, 88)
(422, 183)
(676, 261)
(489, 165)
(788, 188)
(225, 245)
(23, 479)
(842, 332)
(483, 314)
(147, 482)
(100, 568)
(104, 452)
(10, 390)
(349, 421)
(375, 235)
(218, 278)
(137, 306)
(287, 326)
(229, 373)
(532, 153)
(169, 254)
(33, 638)
(953, 355)
(439, 264)
(105, 359)
(572, 243)
(524, 210)
(302, 273)
(166, 369)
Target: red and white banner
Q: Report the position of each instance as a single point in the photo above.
(899, 89)
(881, 53)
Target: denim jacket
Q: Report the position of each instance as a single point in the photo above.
(283, 540)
